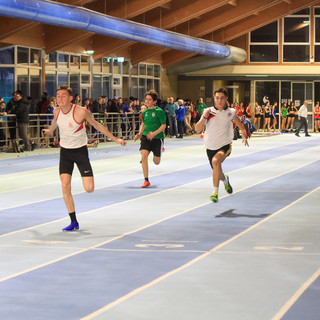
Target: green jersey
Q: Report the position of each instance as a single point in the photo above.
(153, 119)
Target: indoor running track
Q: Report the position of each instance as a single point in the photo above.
(165, 252)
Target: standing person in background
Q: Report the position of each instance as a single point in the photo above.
(170, 109)
(22, 114)
(248, 112)
(71, 119)
(274, 116)
(302, 116)
(199, 109)
(267, 116)
(218, 136)
(316, 111)
(2, 122)
(292, 110)
(180, 112)
(284, 112)
(151, 133)
(257, 116)
(187, 116)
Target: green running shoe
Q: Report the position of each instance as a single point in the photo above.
(214, 197)
(228, 185)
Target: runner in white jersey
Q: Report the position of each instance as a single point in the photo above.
(218, 136)
(71, 120)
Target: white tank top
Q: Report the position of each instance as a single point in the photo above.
(72, 134)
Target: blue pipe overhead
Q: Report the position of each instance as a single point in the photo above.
(80, 18)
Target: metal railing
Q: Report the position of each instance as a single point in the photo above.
(120, 125)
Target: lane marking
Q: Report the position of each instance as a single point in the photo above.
(144, 227)
(296, 296)
(190, 263)
(44, 241)
(271, 248)
(161, 245)
(157, 193)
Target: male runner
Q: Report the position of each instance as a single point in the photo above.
(218, 136)
(151, 133)
(71, 120)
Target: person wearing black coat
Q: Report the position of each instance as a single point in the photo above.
(22, 113)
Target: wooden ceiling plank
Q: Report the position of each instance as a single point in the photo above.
(242, 27)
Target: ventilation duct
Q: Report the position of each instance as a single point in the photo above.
(58, 14)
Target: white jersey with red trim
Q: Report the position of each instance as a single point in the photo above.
(72, 134)
(219, 128)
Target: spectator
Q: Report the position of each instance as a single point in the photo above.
(283, 116)
(257, 116)
(199, 109)
(180, 112)
(316, 111)
(22, 114)
(187, 116)
(292, 110)
(2, 120)
(44, 97)
(170, 110)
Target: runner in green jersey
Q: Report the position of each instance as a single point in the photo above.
(151, 133)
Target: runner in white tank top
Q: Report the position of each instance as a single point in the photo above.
(72, 134)
(73, 140)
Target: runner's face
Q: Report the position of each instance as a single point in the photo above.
(63, 98)
(220, 100)
(149, 101)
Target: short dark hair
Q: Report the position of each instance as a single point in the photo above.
(221, 90)
(154, 95)
(65, 87)
(19, 92)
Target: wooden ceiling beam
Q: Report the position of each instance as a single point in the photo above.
(242, 27)
(221, 18)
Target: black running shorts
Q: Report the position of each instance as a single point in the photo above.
(211, 153)
(78, 156)
(155, 145)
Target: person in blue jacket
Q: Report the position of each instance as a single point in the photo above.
(180, 118)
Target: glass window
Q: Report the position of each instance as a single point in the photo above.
(125, 87)
(268, 33)
(96, 89)
(6, 82)
(51, 60)
(134, 87)
(285, 91)
(296, 29)
(97, 65)
(142, 69)
(317, 91)
(35, 57)
(23, 80)
(63, 78)
(125, 67)
(134, 69)
(85, 63)
(267, 90)
(74, 63)
(117, 66)
(23, 55)
(157, 70)
(305, 11)
(106, 65)
(142, 88)
(7, 56)
(317, 53)
(263, 53)
(296, 53)
(51, 80)
(35, 81)
(149, 84)
(85, 78)
(116, 81)
(150, 70)
(75, 83)
(317, 10)
(106, 86)
(63, 60)
(157, 86)
(317, 29)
